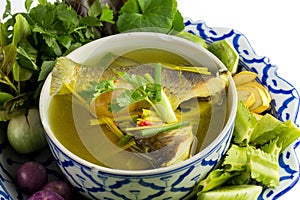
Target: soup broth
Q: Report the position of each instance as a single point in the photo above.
(73, 124)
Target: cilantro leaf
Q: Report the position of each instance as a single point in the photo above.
(133, 79)
(96, 89)
(148, 15)
(126, 98)
(143, 90)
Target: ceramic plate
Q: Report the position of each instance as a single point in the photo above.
(285, 105)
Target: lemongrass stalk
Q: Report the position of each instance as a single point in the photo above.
(110, 123)
(193, 69)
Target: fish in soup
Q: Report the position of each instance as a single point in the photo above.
(137, 115)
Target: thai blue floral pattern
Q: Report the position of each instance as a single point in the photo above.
(180, 181)
(174, 184)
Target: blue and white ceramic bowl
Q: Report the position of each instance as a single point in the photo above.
(173, 182)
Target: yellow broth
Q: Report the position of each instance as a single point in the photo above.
(70, 122)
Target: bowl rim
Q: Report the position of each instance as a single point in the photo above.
(186, 163)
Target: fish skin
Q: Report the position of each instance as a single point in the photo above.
(169, 147)
(179, 86)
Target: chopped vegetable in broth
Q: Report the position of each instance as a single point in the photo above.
(148, 109)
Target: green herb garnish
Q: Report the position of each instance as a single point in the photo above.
(147, 131)
(31, 41)
(145, 88)
(95, 89)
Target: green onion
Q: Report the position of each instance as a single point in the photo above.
(157, 79)
(163, 107)
(124, 140)
(153, 131)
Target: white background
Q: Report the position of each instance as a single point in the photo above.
(271, 26)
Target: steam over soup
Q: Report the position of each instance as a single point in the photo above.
(147, 109)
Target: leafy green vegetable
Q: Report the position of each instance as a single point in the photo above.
(178, 24)
(253, 156)
(5, 96)
(263, 167)
(10, 52)
(107, 15)
(21, 29)
(96, 89)
(214, 179)
(269, 128)
(272, 148)
(244, 124)
(145, 88)
(151, 15)
(28, 4)
(145, 132)
(289, 135)
(7, 11)
(240, 192)
(236, 159)
(266, 124)
(46, 68)
(30, 42)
